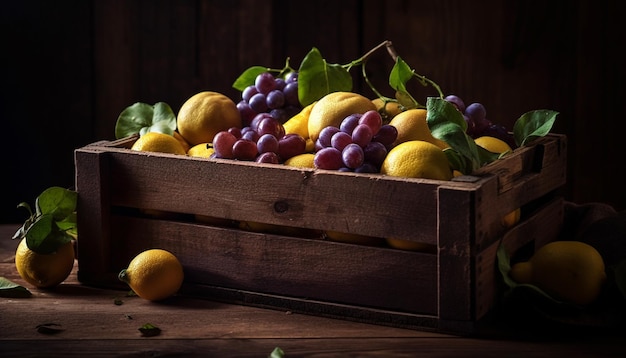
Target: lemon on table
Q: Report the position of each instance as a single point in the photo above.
(417, 159)
(44, 270)
(202, 150)
(158, 142)
(331, 109)
(205, 114)
(153, 274)
(182, 141)
(571, 271)
(412, 125)
(496, 145)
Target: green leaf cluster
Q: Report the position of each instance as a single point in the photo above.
(53, 223)
(141, 118)
(11, 289)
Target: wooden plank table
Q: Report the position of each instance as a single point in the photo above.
(93, 325)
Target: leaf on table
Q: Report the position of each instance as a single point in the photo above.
(277, 353)
(10, 289)
(149, 330)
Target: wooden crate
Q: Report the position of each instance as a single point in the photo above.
(450, 290)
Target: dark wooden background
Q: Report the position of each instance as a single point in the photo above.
(70, 67)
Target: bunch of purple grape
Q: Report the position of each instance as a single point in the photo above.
(263, 140)
(270, 94)
(360, 144)
(478, 125)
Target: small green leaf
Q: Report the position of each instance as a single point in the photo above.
(400, 74)
(10, 289)
(58, 202)
(277, 353)
(149, 330)
(532, 125)
(248, 77)
(44, 236)
(142, 117)
(317, 78)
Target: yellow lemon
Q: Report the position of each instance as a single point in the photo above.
(202, 150)
(44, 270)
(570, 271)
(331, 109)
(417, 159)
(304, 160)
(412, 125)
(182, 141)
(388, 109)
(153, 274)
(299, 124)
(496, 145)
(158, 142)
(493, 144)
(205, 114)
(354, 238)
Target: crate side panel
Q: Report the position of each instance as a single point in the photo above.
(290, 267)
(92, 186)
(363, 204)
(456, 239)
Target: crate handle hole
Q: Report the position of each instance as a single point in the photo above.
(281, 207)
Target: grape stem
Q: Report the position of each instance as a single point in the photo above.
(394, 56)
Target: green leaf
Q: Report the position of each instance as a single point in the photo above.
(248, 77)
(10, 289)
(142, 117)
(400, 74)
(58, 202)
(447, 124)
(149, 330)
(317, 78)
(532, 125)
(277, 353)
(44, 236)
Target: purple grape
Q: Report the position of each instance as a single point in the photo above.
(258, 103)
(267, 143)
(265, 83)
(249, 134)
(270, 125)
(326, 135)
(291, 94)
(246, 112)
(375, 153)
(244, 149)
(340, 140)
(223, 144)
(291, 77)
(387, 135)
(372, 119)
(362, 134)
(328, 158)
(476, 111)
(280, 83)
(457, 102)
(352, 156)
(275, 99)
(291, 145)
(254, 123)
(367, 168)
(280, 114)
(268, 157)
(347, 124)
(248, 92)
(236, 131)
